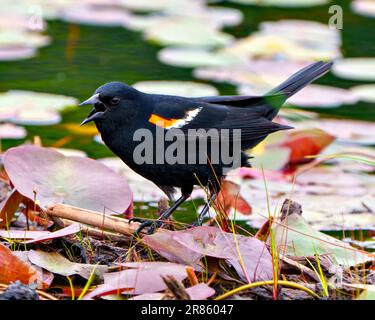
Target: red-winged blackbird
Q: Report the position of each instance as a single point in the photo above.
(120, 111)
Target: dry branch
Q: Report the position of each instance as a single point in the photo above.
(95, 219)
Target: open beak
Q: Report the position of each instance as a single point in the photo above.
(97, 112)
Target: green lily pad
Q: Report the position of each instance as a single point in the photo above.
(297, 238)
(272, 159)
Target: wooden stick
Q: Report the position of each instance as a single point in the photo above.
(95, 219)
(95, 232)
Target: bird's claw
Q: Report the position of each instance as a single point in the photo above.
(153, 225)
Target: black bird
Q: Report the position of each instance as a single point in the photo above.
(120, 111)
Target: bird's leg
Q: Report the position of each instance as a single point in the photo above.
(159, 222)
(204, 211)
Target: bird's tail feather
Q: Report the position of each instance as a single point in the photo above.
(297, 82)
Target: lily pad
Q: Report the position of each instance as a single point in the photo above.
(143, 190)
(95, 15)
(272, 159)
(33, 108)
(276, 46)
(360, 69)
(10, 131)
(140, 278)
(323, 97)
(22, 38)
(196, 57)
(365, 92)
(16, 53)
(283, 3)
(310, 33)
(160, 5)
(179, 88)
(364, 7)
(196, 33)
(53, 178)
(348, 131)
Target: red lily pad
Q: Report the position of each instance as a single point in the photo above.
(51, 178)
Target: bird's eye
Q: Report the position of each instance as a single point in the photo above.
(115, 100)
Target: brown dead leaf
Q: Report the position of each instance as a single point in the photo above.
(13, 268)
(10, 207)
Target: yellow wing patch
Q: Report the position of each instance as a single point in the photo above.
(162, 122)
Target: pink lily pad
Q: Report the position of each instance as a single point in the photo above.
(16, 53)
(92, 15)
(53, 178)
(209, 241)
(74, 228)
(200, 291)
(10, 131)
(141, 278)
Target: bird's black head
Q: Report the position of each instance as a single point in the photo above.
(110, 101)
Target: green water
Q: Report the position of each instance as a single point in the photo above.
(81, 58)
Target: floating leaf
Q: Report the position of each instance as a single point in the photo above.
(143, 190)
(195, 31)
(365, 92)
(348, 131)
(10, 131)
(160, 5)
(364, 7)
(16, 53)
(32, 108)
(92, 15)
(56, 263)
(190, 57)
(271, 158)
(14, 38)
(179, 88)
(303, 143)
(283, 3)
(360, 69)
(323, 97)
(76, 181)
(13, 268)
